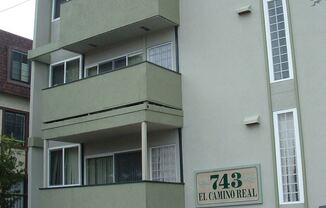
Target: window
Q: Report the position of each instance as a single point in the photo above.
(163, 163)
(278, 40)
(64, 166)
(128, 167)
(119, 167)
(288, 157)
(161, 55)
(65, 72)
(19, 67)
(114, 64)
(56, 4)
(100, 170)
(15, 125)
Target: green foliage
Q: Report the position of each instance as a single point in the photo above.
(11, 169)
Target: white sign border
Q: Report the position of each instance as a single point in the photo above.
(259, 201)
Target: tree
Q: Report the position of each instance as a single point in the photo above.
(315, 2)
(11, 170)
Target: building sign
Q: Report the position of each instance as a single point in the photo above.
(234, 186)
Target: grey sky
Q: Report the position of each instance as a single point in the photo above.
(18, 20)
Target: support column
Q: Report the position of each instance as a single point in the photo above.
(45, 162)
(144, 151)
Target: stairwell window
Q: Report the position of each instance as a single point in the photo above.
(163, 160)
(64, 166)
(278, 40)
(56, 4)
(65, 71)
(161, 55)
(288, 157)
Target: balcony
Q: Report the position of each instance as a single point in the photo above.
(136, 195)
(122, 98)
(86, 24)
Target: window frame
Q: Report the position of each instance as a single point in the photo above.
(298, 156)
(97, 64)
(10, 56)
(269, 42)
(53, 19)
(175, 159)
(26, 114)
(159, 45)
(63, 165)
(65, 70)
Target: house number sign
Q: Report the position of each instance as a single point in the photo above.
(234, 186)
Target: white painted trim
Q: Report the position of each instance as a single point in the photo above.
(63, 165)
(175, 159)
(64, 62)
(107, 154)
(298, 156)
(269, 42)
(163, 44)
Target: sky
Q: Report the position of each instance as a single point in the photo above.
(17, 16)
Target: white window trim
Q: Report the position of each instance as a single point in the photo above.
(175, 159)
(65, 68)
(298, 156)
(63, 163)
(107, 154)
(127, 55)
(269, 42)
(159, 45)
(52, 15)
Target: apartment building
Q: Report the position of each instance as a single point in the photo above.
(178, 103)
(14, 97)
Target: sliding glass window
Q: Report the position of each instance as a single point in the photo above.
(64, 166)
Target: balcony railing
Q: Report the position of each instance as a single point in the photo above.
(145, 194)
(124, 87)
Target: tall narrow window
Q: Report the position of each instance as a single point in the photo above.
(19, 67)
(161, 55)
(163, 164)
(278, 40)
(64, 166)
(56, 4)
(15, 125)
(288, 152)
(100, 170)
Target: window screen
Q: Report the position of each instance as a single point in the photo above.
(128, 167)
(161, 55)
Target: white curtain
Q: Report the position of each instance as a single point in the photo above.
(100, 170)
(161, 55)
(71, 166)
(164, 164)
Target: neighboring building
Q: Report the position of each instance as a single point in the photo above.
(14, 95)
(178, 103)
